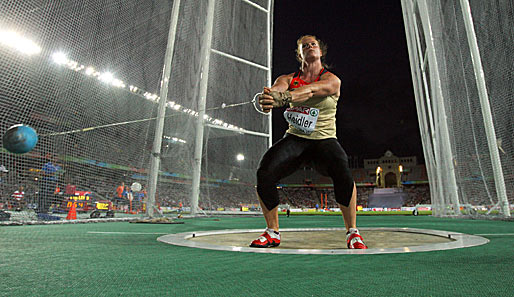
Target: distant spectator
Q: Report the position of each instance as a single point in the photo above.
(19, 198)
(3, 171)
(119, 191)
(127, 194)
(140, 198)
(70, 189)
(50, 172)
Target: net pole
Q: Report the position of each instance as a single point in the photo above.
(427, 119)
(499, 180)
(159, 127)
(269, 45)
(441, 111)
(204, 79)
(417, 63)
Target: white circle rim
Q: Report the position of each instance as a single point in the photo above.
(460, 240)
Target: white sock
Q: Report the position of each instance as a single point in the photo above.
(353, 230)
(272, 231)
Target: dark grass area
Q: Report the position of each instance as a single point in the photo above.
(66, 260)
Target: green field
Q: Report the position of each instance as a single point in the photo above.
(125, 259)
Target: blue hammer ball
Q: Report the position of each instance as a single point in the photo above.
(20, 139)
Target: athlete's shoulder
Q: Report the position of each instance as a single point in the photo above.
(285, 78)
(330, 76)
(328, 73)
(288, 76)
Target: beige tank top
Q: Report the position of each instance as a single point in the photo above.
(314, 118)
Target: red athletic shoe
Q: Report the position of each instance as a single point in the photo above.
(270, 238)
(354, 240)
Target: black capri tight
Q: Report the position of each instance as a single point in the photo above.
(290, 153)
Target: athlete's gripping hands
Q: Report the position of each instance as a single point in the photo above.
(279, 95)
(273, 99)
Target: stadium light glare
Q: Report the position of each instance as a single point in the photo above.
(106, 77)
(60, 58)
(90, 70)
(118, 83)
(150, 96)
(14, 40)
(174, 139)
(79, 68)
(73, 65)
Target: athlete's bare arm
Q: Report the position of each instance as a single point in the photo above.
(328, 85)
(280, 85)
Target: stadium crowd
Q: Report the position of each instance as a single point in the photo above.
(21, 191)
(309, 197)
(212, 197)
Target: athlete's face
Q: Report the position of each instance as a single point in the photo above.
(310, 48)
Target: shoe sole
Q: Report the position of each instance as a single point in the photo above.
(265, 246)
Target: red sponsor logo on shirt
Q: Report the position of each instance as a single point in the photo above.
(299, 109)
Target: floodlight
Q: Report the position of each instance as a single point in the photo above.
(106, 77)
(14, 40)
(60, 58)
(90, 70)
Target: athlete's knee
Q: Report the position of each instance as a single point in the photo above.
(343, 188)
(341, 160)
(267, 188)
(265, 176)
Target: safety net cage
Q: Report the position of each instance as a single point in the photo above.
(138, 107)
(461, 55)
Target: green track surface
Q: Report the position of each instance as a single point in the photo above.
(66, 260)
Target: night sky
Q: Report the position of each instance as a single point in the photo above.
(367, 50)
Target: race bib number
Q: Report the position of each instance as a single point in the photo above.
(302, 118)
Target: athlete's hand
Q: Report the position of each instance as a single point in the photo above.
(280, 98)
(265, 100)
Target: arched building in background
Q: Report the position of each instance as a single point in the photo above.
(365, 176)
(389, 170)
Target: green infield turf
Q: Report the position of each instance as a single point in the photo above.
(123, 259)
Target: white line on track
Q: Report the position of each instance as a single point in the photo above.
(159, 233)
(144, 233)
(497, 234)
